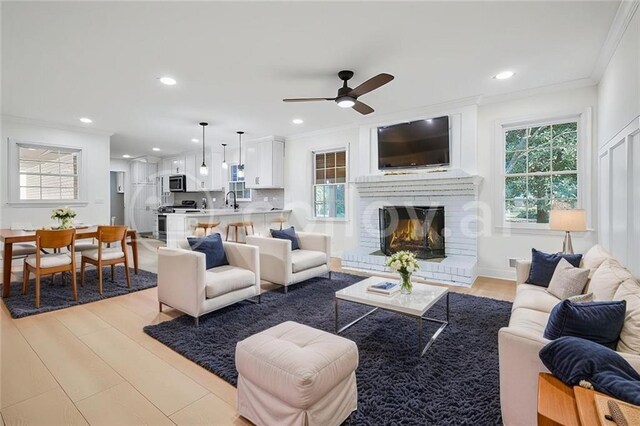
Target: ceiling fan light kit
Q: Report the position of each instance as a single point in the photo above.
(348, 97)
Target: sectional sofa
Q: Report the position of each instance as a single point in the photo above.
(520, 342)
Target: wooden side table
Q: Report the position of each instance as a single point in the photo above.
(561, 405)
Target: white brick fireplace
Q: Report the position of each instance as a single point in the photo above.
(454, 190)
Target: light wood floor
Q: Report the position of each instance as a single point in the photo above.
(94, 364)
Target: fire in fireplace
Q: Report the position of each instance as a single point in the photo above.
(415, 229)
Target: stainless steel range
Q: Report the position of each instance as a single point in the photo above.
(187, 206)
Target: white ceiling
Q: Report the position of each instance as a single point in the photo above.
(234, 62)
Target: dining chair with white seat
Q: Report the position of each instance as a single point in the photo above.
(107, 256)
(51, 263)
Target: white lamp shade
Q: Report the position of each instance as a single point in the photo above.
(574, 220)
(204, 171)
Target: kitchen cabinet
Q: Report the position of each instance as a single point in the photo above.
(191, 171)
(264, 163)
(213, 181)
(164, 173)
(143, 172)
(176, 165)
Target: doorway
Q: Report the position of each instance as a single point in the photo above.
(117, 198)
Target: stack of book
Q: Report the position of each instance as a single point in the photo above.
(385, 288)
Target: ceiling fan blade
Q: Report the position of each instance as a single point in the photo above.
(372, 84)
(362, 108)
(308, 99)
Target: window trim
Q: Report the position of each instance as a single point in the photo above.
(313, 216)
(229, 181)
(13, 175)
(584, 154)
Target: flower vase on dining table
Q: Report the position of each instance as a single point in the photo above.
(64, 216)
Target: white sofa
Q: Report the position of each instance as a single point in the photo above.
(520, 343)
(185, 284)
(283, 266)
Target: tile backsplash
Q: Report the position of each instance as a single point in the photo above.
(260, 198)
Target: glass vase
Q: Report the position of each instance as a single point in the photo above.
(65, 223)
(405, 283)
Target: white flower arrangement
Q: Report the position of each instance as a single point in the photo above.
(403, 262)
(63, 213)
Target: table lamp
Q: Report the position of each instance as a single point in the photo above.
(567, 221)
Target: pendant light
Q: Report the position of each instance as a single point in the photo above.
(203, 168)
(224, 156)
(240, 165)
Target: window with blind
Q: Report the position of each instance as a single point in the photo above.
(48, 173)
(330, 178)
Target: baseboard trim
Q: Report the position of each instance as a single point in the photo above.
(503, 274)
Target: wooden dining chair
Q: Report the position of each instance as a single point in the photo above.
(107, 256)
(50, 264)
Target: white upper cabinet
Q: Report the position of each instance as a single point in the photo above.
(190, 170)
(264, 163)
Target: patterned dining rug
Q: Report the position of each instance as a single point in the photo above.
(455, 383)
(58, 295)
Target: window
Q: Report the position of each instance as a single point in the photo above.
(47, 173)
(236, 184)
(540, 170)
(329, 183)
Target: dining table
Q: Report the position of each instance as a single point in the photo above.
(13, 236)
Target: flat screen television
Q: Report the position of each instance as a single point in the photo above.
(421, 143)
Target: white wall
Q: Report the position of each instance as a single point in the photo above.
(298, 184)
(619, 87)
(95, 173)
(619, 153)
(496, 245)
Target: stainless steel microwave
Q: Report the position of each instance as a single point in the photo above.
(177, 183)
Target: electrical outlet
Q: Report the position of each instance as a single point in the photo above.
(512, 262)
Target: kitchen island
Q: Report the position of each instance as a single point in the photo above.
(181, 225)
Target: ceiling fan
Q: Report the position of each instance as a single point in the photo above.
(348, 97)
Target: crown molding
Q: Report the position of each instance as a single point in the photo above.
(42, 123)
(624, 15)
(541, 90)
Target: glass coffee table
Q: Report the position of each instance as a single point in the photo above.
(414, 305)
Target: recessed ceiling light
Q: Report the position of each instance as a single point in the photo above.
(126, 156)
(156, 149)
(297, 121)
(195, 140)
(167, 80)
(86, 120)
(504, 75)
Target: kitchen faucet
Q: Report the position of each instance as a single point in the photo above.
(235, 200)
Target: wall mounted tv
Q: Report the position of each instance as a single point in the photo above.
(421, 143)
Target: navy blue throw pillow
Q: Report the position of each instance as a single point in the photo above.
(599, 322)
(543, 265)
(287, 234)
(572, 359)
(213, 249)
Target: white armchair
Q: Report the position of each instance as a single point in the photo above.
(185, 284)
(281, 265)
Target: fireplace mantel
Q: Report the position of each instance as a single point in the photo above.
(435, 183)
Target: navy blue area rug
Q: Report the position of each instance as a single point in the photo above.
(59, 296)
(455, 383)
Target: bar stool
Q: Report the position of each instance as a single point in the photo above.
(281, 220)
(207, 227)
(236, 225)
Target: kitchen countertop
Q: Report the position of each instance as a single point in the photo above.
(227, 212)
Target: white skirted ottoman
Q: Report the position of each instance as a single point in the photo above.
(292, 374)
